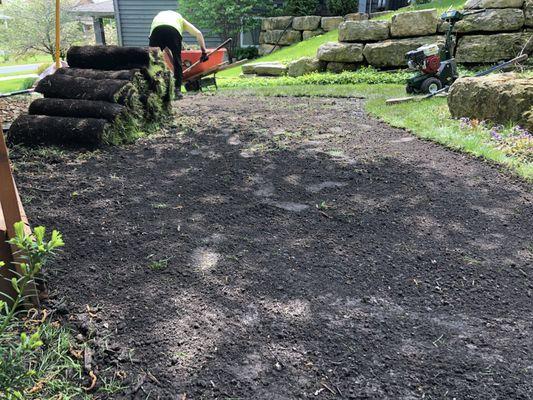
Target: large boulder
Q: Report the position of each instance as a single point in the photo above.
(341, 52)
(309, 34)
(363, 31)
(414, 23)
(476, 4)
(282, 37)
(303, 66)
(500, 98)
(265, 49)
(337, 67)
(275, 23)
(495, 20)
(331, 23)
(356, 17)
(391, 53)
(307, 23)
(528, 11)
(477, 49)
(265, 69)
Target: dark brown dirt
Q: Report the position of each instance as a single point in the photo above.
(273, 248)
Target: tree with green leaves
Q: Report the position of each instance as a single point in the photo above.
(342, 7)
(225, 17)
(301, 7)
(31, 27)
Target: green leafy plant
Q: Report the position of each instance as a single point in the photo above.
(33, 251)
(342, 7)
(32, 25)
(249, 53)
(226, 17)
(301, 7)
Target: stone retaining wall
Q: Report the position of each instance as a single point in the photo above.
(498, 33)
(277, 32)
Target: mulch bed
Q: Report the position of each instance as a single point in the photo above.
(280, 248)
(12, 107)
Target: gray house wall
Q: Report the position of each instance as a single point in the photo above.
(134, 18)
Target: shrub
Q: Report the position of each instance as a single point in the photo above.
(342, 7)
(301, 7)
(35, 250)
(249, 53)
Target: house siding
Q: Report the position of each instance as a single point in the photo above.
(134, 18)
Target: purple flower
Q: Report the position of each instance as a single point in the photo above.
(495, 135)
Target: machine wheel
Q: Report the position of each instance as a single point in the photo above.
(431, 85)
(409, 89)
(192, 86)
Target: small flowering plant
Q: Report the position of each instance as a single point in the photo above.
(516, 141)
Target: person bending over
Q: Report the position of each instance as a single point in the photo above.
(167, 31)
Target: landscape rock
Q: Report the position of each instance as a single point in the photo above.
(499, 98)
(341, 52)
(303, 66)
(391, 53)
(528, 12)
(478, 4)
(282, 38)
(414, 23)
(307, 23)
(331, 23)
(356, 17)
(266, 48)
(489, 48)
(495, 20)
(364, 31)
(275, 23)
(338, 67)
(262, 37)
(265, 69)
(309, 34)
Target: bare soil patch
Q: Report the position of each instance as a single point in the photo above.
(283, 248)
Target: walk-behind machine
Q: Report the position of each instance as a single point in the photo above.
(437, 69)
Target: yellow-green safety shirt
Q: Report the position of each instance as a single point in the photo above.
(168, 18)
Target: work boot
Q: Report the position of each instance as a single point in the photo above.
(178, 95)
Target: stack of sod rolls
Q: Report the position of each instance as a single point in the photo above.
(108, 95)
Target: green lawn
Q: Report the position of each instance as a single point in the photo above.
(34, 59)
(307, 48)
(428, 119)
(440, 5)
(13, 85)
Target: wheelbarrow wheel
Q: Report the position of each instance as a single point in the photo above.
(192, 86)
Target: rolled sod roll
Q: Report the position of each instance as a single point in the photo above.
(77, 109)
(62, 86)
(38, 129)
(112, 57)
(125, 75)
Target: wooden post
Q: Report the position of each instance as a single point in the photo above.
(58, 34)
(13, 211)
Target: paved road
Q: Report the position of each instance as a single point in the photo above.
(18, 68)
(9, 78)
